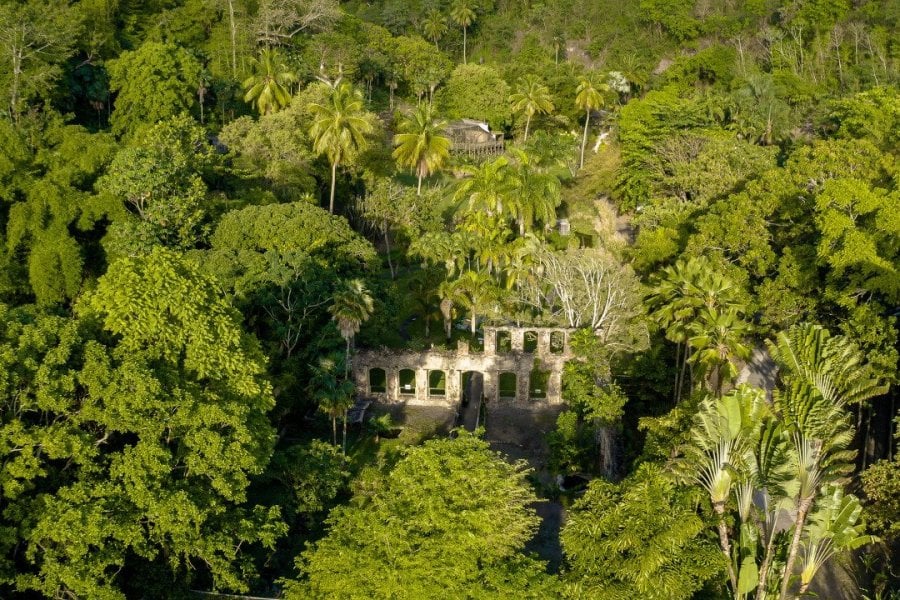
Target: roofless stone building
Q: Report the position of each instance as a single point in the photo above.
(521, 365)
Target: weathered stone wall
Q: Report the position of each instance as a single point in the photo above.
(490, 363)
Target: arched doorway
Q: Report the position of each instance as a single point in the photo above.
(471, 385)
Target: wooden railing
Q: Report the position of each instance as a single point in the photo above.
(479, 148)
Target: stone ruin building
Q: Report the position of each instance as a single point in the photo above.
(520, 365)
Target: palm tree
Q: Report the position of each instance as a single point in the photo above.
(720, 439)
(451, 296)
(834, 527)
(487, 186)
(423, 288)
(588, 97)
(821, 374)
(677, 298)
(531, 97)
(718, 343)
(535, 194)
(421, 144)
(463, 15)
(475, 290)
(350, 307)
(332, 392)
(489, 236)
(339, 129)
(741, 448)
(269, 86)
(434, 26)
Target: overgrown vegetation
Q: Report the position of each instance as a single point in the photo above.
(207, 205)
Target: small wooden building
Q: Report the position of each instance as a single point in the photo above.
(474, 138)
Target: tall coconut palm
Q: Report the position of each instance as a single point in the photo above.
(531, 97)
(350, 307)
(422, 144)
(269, 86)
(339, 129)
(434, 26)
(463, 14)
(588, 97)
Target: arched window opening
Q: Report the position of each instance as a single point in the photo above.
(407, 381)
(504, 342)
(557, 342)
(531, 342)
(507, 385)
(377, 381)
(437, 383)
(537, 384)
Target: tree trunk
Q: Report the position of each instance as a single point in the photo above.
(333, 179)
(766, 563)
(725, 543)
(14, 94)
(867, 440)
(802, 510)
(233, 39)
(387, 243)
(677, 367)
(333, 429)
(890, 436)
(605, 439)
(683, 368)
(587, 120)
(473, 321)
(527, 123)
(464, 44)
(344, 441)
(347, 360)
(419, 188)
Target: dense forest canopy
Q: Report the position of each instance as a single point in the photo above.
(208, 206)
